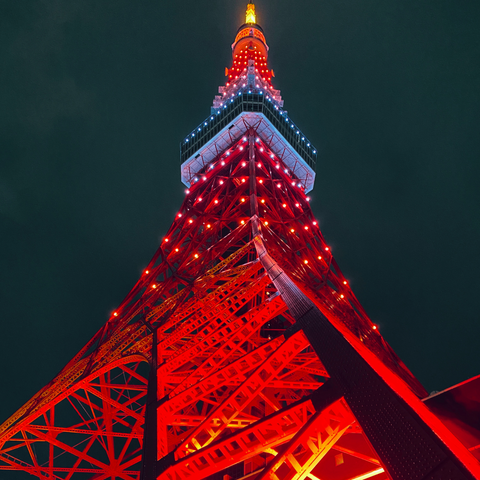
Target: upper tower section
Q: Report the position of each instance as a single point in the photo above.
(248, 102)
(250, 49)
(249, 71)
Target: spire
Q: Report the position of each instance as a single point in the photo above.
(250, 17)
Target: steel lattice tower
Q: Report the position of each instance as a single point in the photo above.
(242, 352)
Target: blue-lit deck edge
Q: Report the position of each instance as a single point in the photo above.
(300, 150)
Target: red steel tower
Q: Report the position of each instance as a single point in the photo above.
(242, 352)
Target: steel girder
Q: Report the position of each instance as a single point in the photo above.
(240, 378)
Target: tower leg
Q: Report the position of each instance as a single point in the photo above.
(407, 447)
(149, 459)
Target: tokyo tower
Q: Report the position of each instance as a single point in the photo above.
(242, 352)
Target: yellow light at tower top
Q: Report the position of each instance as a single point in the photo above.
(250, 16)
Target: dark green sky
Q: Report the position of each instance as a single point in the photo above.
(95, 96)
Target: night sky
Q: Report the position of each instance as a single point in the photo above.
(96, 95)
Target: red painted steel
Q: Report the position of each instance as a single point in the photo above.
(240, 390)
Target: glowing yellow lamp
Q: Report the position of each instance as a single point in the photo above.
(250, 16)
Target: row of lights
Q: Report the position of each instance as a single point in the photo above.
(292, 125)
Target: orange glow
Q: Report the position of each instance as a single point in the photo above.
(250, 16)
(305, 262)
(196, 255)
(154, 286)
(371, 474)
(243, 222)
(147, 272)
(115, 314)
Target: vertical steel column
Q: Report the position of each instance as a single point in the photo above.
(149, 458)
